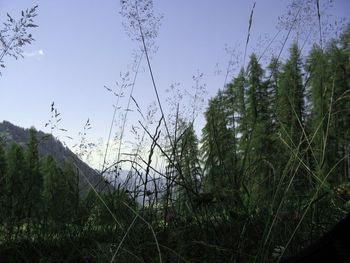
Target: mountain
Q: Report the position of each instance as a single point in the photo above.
(50, 145)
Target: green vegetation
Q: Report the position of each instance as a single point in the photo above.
(46, 144)
(270, 174)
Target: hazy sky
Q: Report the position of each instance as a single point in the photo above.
(81, 45)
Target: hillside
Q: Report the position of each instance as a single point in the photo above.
(49, 145)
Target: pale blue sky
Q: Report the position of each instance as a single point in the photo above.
(81, 46)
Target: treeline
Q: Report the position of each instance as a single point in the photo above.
(273, 165)
(270, 175)
(35, 193)
(289, 120)
(51, 145)
(40, 201)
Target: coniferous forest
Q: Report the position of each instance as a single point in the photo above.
(269, 176)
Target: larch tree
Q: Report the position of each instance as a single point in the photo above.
(3, 170)
(217, 145)
(291, 115)
(339, 76)
(15, 194)
(33, 177)
(291, 91)
(53, 190)
(188, 158)
(236, 112)
(259, 147)
(71, 189)
(320, 95)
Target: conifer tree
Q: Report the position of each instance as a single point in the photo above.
(339, 77)
(71, 189)
(189, 164)
(3, 170)
(259, 147)
(254, 90)
(248, 97)
(2, 165)
(34, 180)
(291, 120)
(217, 145)
(53, 189)
(239, 87)
(274, 69)
(236, 111)
(15, 194)
(320, 95)
(291, 91)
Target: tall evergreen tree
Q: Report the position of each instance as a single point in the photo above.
(254, 90)
(189, 163)
(239, 87)
(217, 145)
(291, 94)
(339, 76)
(71, 189)
(251, 96)
(320, 95)
(34, 180)
(291, 120)
(3, 170)
(53, 189)
(236, 104)
(2, 165)
(15, 194)
(273, 79)
(260, 146)
(236, 111)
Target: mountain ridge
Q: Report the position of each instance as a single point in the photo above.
(49, 145)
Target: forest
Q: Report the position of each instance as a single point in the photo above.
(269, 175)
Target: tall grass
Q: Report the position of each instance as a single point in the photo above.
(177, 220)
(281, 225)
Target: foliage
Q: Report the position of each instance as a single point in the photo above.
(269, 175)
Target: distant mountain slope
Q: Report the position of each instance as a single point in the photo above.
(49, 145)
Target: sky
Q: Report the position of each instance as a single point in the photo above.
(81, 46)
